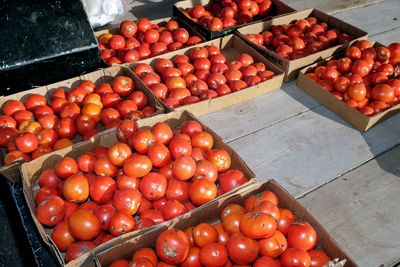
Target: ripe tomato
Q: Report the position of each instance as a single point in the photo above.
(7, 135)
(159, 155)
(147, 253)
(76, 188)
(342, 84)
(84, 225)
(126, 182)
(302, 235)
(35, 100)
(382, 54)
(360, 67)
(51, 210)
(395, 84)
(24, 115)
(48, 178)
(180, 147)
(204, 234)
(118, 153)
(104, 214)
(62, 143)
(155, 215)
(213, 255)
(13, 106)
(142, 140)
(174, 241)
(162, 132)
(269, 208)
(103, 167)
(143, 224)
(121, 223)
(178, 190)
(77, 249)
(153, 186)
(40, 151)
(220, 158)
(202, 191)
(61, 236)
(381, 92)
(66, 167)
(26, 142)
(193, 258)
(206, 169)
(295, 257)
(285, 220)
(273, 246)
(127, 28)
(257, 225)
(357, 91)
(253, 200)
(231, 179)
(184, 167)
(318, 258)
(30, 126)
(266, 261)
(242, 250)
(102, 189)
(181, 35)
(66, 128)
(44, 193)
(127, 200)
(137, 166)
(172, 209)
(125, 130)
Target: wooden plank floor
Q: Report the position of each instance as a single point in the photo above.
(348, 180)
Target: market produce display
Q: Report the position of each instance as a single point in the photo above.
(136, 41)
(150, 176)
(218, 15)
(365, 78)
(300, 38)
(257, 233)
(202, 74)
(35, 126)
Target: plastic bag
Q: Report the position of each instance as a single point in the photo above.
(102, 12)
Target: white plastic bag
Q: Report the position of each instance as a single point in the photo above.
(102, 12)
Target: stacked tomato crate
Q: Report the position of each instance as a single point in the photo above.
(110, 179)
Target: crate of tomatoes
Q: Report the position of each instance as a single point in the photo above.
(361, 85)
(209, 76)
(300, 39)
(261, 226)
(44, 119)
(128, 181)
(215, 19)
(134, 41)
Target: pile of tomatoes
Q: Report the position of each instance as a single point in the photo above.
(366, 78)
(150, 176)
(35, 126)
(202, 74)
(299, 38)
(218, 15)
(256, 234)
(143, 39)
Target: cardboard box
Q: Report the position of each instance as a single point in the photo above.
(11, 172)
(210, 213)
(31, 170)
(278, 9)
(231, 46)
(349, 114)
(160, 22)
(292, 67)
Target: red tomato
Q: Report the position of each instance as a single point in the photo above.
(137, 166)
(267, 207)
(127, 200)
(383, 92)
(295, 257)
(231, 179)
(220, 158)
(357, 91)
(242, 250)
(103, 167)
(178, 190)
(61, 236)
(253, 200)
(76, 188)
(273, 246)
(102, 189)
(66, 128)
(172, 240)
(318, 258)
(172, 209)
(153, 186)
(202, 191)
(183, 168)
(213, 254)
(26, 142)
(83, 225)
(162, 132)
(147, 253)
(104, 214)
(48, 178)
(302, 235)
(35, 100)
(126, 129)
(7, 135)
(180, 147)
(50, 211)
(121, 223)
(257, 225)
(77, 249)
(285, 220)
(142, 140)
(181, 35)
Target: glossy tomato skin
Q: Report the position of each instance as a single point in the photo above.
(104, 214)
(285, 220)
(318, 258)
(302, 235)
(127, 200)
(26, 142)
(76, 188)
(220, 158)
(172, 209)
(51, 211)
(48, 178)
(84, 225)
(297, 257)
(183, 168)
(202, 191)
(242, 250)
(213, 255)
(121, 223)
(61, 236)
(273, 246)
(172, 246)
(231, 179)
(178, 190)
(137, 166)
(147, 253)
(257, 225)
(77, 249)
(153, 186)
(102, 189)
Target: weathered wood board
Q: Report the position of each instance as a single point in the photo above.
(361, 210)
(330, 6)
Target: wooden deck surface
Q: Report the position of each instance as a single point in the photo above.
(350, 181)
